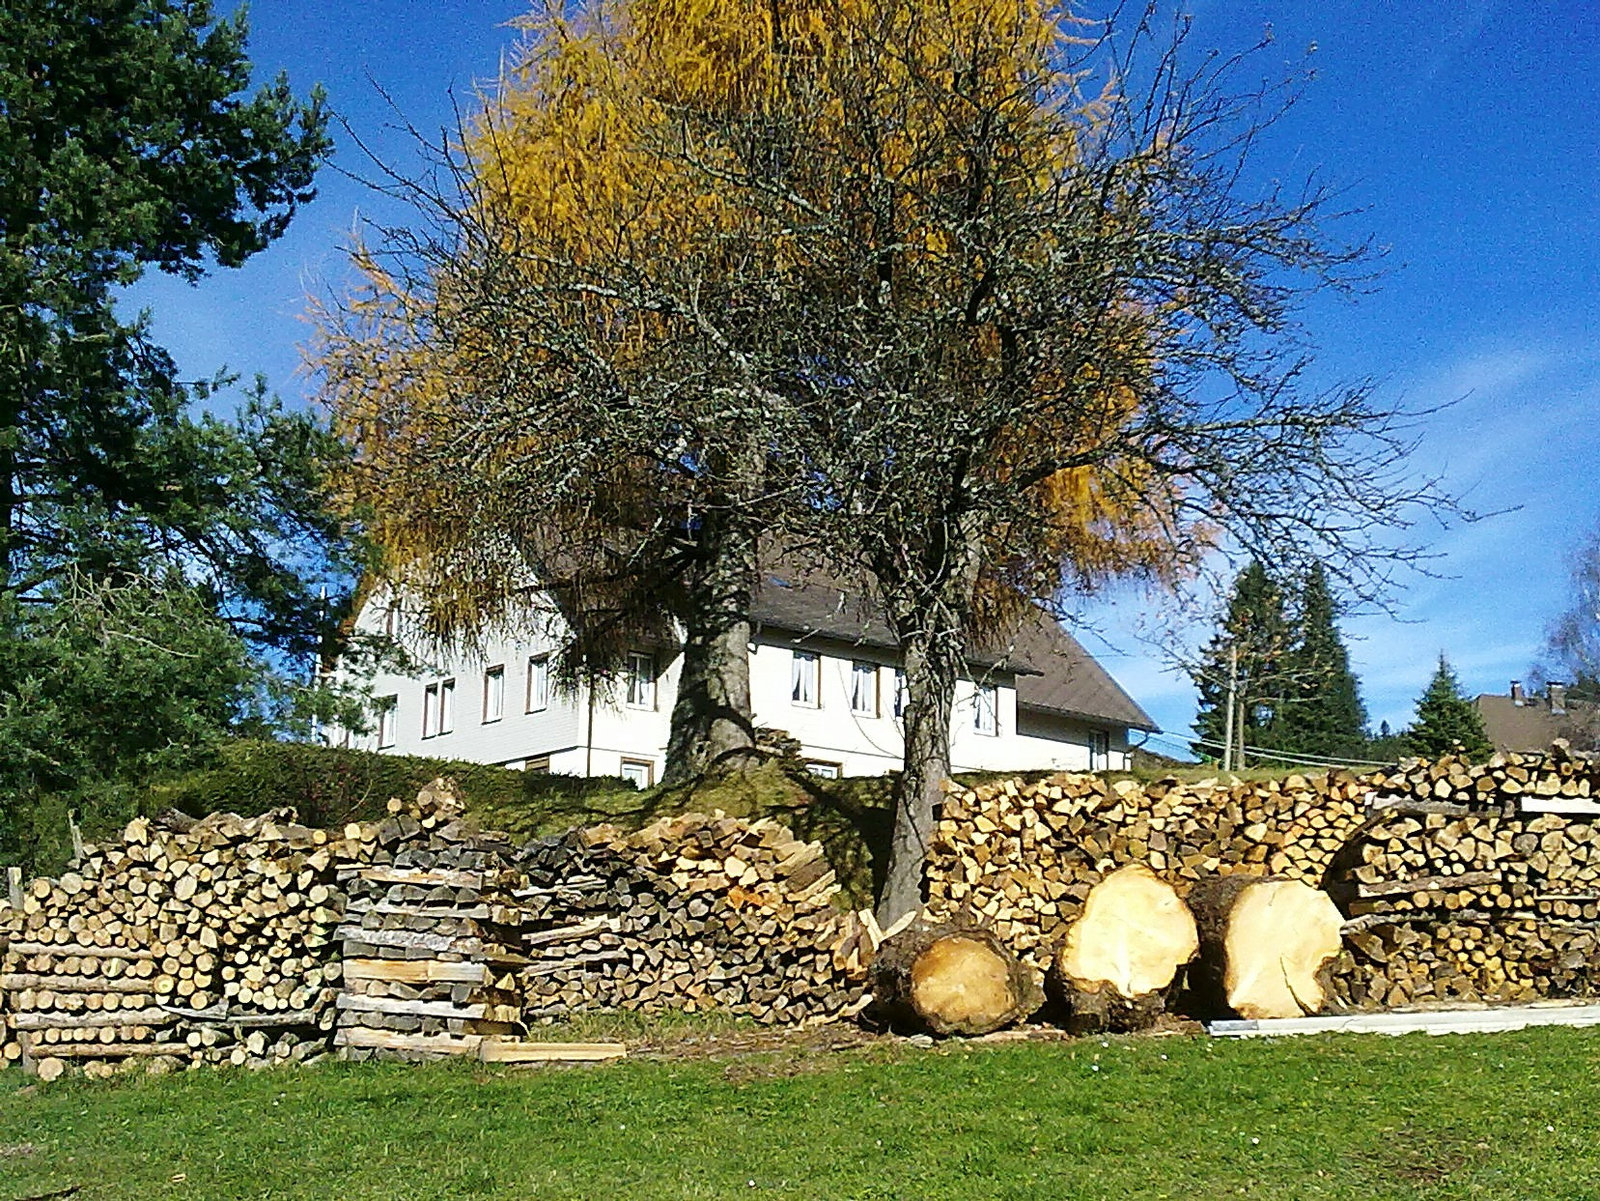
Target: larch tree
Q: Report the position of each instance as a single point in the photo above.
(887, 278)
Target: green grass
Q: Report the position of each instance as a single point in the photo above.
(1503, 1116)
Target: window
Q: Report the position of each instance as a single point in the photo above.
(494, 693)
(899, 692)
(641, 681)
(803, 679)
(864, 689)
(388, 707)
(1099, 750)
(986, 709)
(447, 706)
(825, 771)
(538, 682)
(640, 772)
(539, 766)
(430, 710)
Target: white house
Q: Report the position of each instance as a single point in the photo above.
(822, 669)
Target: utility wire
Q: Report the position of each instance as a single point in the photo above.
(1262, 752)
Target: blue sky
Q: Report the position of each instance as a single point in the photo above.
(1463, 130)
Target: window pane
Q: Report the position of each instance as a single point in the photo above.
(864, 688)
(985, 702)
(803, 679)
(447, 706)
(538, 682)
(388, 707)
(899, 692)
(430, 711)
(494, 693)
(641, 681)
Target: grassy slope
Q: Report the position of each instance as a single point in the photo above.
(1495, 1116)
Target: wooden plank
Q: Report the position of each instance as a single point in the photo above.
(102, 1017)
(19, 980)
(410, 939)
(118, 1050)
(501, 1050)
(1571, 805)
(1400, 888)
(393, 1040)
(416, 971)
(594, 925)
(469, 912)
(426, 1009)
(1431, 1021)
(416, 875)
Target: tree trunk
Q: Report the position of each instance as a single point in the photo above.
(952, 979)
(931, 666)
(1120, 961)
(1267, 947)
(712, 728)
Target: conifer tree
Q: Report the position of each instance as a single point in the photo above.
(1446, 721)
(1257, 626)
(1322, 712)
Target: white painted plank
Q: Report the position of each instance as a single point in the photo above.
(1436, 1021)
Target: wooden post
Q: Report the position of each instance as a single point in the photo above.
(14, 886)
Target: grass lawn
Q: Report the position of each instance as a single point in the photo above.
(1509, 1115)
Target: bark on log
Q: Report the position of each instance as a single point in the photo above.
(1121, 961)
(1267, 947)
(952, 979)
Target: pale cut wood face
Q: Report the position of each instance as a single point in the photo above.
(1134, 935)
(1280, 934)
(961, 980)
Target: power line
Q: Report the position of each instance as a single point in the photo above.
(1262, 752)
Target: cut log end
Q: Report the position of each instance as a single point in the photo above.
(1121, 959)
(1267, 946)
(952, 980)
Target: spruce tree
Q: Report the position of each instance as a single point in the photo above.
(1446, 720)
(1322, 714)
(1257, 626)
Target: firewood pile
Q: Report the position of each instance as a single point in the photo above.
(208, 941)
(430, 939)
(1023, 857)
(1472, 884)
(694, 913)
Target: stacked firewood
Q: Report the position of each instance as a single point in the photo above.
(1508, 783)
(695, 913)
(1470, 904)
(430, 941)
(186, 941)
(1023, 857)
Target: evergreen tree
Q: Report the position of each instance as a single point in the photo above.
(1446, 720)
(1322, 714)
(1257, 627)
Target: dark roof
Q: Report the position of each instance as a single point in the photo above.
(1531, 726)
(1054, 673)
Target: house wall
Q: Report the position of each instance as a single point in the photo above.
(580, 734)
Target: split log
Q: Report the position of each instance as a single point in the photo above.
(952, 979)
(1267, 947)
(1120, 961)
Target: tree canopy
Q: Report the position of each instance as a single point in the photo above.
(1447, 722)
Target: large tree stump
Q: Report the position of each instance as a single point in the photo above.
(1120, 961)
(952, 978)
(1267, 947)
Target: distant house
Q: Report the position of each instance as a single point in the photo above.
(823, 669)
(1523, 721)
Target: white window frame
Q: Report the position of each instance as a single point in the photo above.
(388, 712)
(824, 770)
(430, 710)
(641, 681)
(864, 679)
(986, 710)
(538, 683)
(447, 706)
(494, 693)
(805, 680)
(644, 772)
(901, 692)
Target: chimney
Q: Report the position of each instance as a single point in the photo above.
(1517, 698)
(1558, 698)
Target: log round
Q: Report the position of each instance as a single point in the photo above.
(1267, 947)
(952, 979)
(1120, 961)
